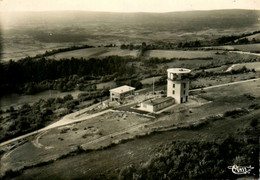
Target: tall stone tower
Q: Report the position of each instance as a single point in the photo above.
(178, 84)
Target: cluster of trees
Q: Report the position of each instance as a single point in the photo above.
(155, 60)
(145, 47)
(70, 83)
(197, 160)
(189, 44)
(29, 70)
(32, 117)
(92, 95)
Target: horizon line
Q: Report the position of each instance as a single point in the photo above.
(69, 10)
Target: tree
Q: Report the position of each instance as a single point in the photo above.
(68, 97)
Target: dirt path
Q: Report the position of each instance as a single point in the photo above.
(140, 150)
(243, 52)
(64, 121)
(227, 84)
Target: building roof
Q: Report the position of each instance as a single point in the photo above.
(122, 89)
(158, 101)
(178, 70)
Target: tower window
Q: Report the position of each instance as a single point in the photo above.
(184, 86)
(184, 92)
(173, 92)
(173, 85)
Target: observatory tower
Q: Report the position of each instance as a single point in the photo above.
(178, 84)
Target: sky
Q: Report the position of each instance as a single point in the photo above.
(126, 5)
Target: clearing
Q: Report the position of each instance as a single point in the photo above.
(88, 165)
(114, 126)
(95, 52)
(168, 54)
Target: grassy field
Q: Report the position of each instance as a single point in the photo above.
(95, 52)
(150, 80)
(105, 85)
(108, 161)
(254, 36)
(81, 53)
(247, 47)
(120, 52)
(178, 54)
(253, 65)
(60, 141)
(243, 47)
(56, 142)
(216, 80)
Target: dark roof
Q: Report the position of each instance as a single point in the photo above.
(158, 101)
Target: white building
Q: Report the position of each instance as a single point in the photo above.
(119, 93)
(156, 104)
(178, 84)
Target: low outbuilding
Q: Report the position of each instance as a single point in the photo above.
(118, 94)
(156, 104)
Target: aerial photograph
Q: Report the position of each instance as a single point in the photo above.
(129, 89)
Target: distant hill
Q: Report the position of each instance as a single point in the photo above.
(187, 20)
(31, 33)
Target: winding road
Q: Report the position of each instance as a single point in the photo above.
(72, 118)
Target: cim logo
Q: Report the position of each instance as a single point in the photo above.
(241, 169)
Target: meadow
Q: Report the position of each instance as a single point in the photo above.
(179, 54)
(95, 53)
(248, 47)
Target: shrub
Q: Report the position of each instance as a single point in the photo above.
(10, 109)
(64, 130)
(235, 113)
(71, 104)
(11, 174)
(68, 97)
(254, 106)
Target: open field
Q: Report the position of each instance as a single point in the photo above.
(221, 61)
(81, 53)
(26, 34)
(150, 80)
(120, 52)
(254, 36)
(87, 165)
(243, 47)
(248, 47)
(95, 52)
(253, 65)
(16, 99)
(179, 54)
(58, 141)
(217, 80)
(105, 85)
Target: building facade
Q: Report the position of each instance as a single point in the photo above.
(178, 84)
(157, 104)
(118, 94)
